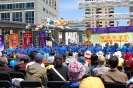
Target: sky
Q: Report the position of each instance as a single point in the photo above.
(69, 11)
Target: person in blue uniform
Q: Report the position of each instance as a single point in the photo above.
(92, 48)
(48, 50)
(129, 48)
(115, 48)
(61, 48)
(41, 50)
(89, 48)
(124, 48)
(96, 49)
(17, 50)
(106, 51)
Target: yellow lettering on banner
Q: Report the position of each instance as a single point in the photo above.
(114, 38)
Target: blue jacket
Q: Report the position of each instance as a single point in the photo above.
(61, 49)
(129, 49)
(48, 50)
(40, 51)
(96, 50)
(17, 50)
(124, 48)
(106, 50)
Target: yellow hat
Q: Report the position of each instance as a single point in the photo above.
(91, 82)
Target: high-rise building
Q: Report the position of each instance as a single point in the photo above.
(99, 23)
(131, 10)
(28, 11)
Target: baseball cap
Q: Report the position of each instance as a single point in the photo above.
(39, 57)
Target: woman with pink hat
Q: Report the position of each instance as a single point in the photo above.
(87, 56)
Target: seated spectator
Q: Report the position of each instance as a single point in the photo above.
(75, 73)
(121, 60)
(58, 67)
(32, 56)
(51, 58)
(91, 82)
(94, 61)
(36, 72)
(26, 60)
(64, 59)
(87, 56)
(70, 58)
(100, 69)
(128, 58)
(100, 53)
(114, 75)
(3, 65)
(80, 54)
(83, 62)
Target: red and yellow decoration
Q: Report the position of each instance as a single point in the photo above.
(13, 40)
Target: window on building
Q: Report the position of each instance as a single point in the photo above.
(47, 11)
(43, 9)
(17, 16)
(29, 17)
(29, 5)
(5, 16)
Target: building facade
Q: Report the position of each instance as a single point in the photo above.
(99, 23)
(75, 36)
(28, 11)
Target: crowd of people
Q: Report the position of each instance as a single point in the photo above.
(81, 65)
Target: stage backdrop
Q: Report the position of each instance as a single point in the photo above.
(1, 42)
(14, 40)
(96, 37)
(27, 39)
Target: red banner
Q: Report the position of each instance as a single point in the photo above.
(27, 39)
(14, 40)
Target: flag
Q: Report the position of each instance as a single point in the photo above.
(1, 42)
(14, 40)
(27, 39)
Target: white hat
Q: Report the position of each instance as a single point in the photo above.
(100, 53)
(117, 54)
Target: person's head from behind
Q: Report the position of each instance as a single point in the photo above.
(52, 53)
(58, 61)
(32, 55)
(91, 82)
(39, 58)
(80, 54)
(75, 71)
(3, 61)
(64, 57)
(101, 60)
(26, 59)
(94, 57)
(70, 54)
(113, 62)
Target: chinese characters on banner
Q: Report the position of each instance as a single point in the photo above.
(1, 42)
(114, 38)
(14, 40)
(42, 36)
(88, 36)
(27, 39)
